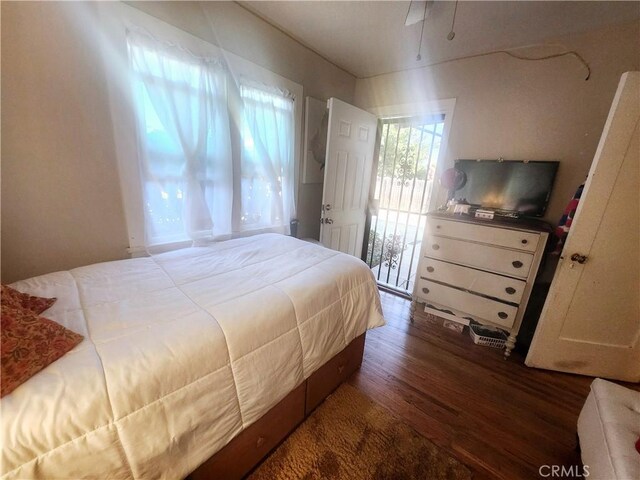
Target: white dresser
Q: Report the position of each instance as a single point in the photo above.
(478, 269)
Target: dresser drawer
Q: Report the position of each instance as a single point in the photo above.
(501, 237)
(491, 310)
(504, 288)
(486, 257)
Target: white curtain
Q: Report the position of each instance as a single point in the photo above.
(192, 188)
(267, 165)
(184, 142)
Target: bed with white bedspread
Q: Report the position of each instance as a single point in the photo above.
(182, 351)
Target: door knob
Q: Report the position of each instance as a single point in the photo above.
(328, 220)
(576, 257)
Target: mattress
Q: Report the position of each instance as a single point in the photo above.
(182, 351)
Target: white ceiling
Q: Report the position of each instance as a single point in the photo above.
(367, 38)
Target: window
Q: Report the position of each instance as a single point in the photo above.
(186, 153)
(267, 158)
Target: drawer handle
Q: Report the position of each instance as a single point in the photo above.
(435, 246)
(502, 315)
(430, 269)
(525, 241)
(260, 442)
(517, 264)
(438, 227)
(510, 290)
(425, 290)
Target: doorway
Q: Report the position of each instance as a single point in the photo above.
(406, 164)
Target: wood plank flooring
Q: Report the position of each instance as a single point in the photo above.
(502, 419)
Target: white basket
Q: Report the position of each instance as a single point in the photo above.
(487, 341)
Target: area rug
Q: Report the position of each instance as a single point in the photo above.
(351, 437)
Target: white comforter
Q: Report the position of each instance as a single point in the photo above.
(182, 351)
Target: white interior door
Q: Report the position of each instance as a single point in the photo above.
(590, 323)
(347, 174)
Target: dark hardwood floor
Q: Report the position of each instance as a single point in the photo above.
(502, 419)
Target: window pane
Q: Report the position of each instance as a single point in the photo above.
(185, 158)
(164, 202)
(267, 158)
(186, 152)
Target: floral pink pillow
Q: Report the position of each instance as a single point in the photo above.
(29, 342)
(13, 298)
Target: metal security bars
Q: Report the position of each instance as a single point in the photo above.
(408, 152)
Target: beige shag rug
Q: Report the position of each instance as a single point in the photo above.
(351, 437)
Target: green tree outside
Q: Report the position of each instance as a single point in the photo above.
(412, 146)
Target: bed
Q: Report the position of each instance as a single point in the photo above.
(183, 351)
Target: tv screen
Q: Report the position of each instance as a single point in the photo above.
(507, 185)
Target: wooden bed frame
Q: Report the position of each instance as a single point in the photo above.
(253, 444)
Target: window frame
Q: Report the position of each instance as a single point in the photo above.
(116, 18)
(445, 158)
(284, 96)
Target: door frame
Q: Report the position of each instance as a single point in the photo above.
(444, 107)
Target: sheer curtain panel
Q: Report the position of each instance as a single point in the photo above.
(180, 102)
(267, 165)
(216, 139)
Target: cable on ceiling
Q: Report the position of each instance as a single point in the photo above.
(572, 53)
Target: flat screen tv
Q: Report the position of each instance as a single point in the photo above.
(521, 188)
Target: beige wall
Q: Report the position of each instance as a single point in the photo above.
(523, 110)
(61, 204)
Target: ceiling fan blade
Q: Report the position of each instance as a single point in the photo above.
(418, 11)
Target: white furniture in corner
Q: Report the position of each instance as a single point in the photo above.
(608, 428)
(478, 269)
